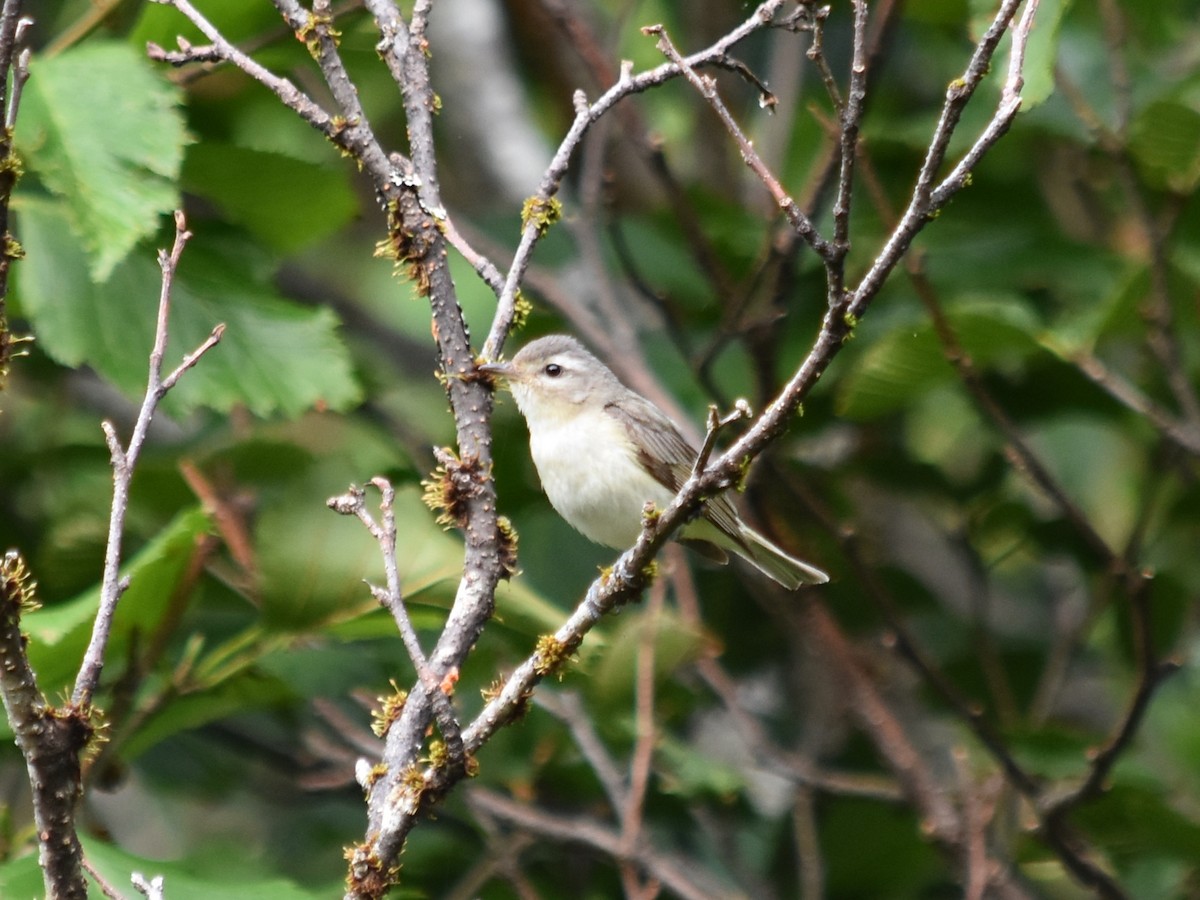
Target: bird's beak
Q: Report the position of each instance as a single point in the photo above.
(503, 369)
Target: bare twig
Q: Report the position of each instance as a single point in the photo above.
(707, 87)
(716, 422)
(1055, 808)
(350, 133)
(646, 737)
(850, 116)
(391, 598)
(685, 878)
(1183, 434)
(926, 199)
(810, 865)
(124, 460)
(806, 18)
(585, 116)
(568, 709)
(152, 888)
(15, 59)
(52, 739)
(105, 888)
(1156, 308)
(633, 128)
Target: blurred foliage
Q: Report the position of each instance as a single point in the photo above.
(248, 652)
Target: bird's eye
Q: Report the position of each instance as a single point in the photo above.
(553, 370)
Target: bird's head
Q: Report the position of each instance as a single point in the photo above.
(555, 376)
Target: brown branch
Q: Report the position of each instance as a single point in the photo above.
(922, 787)
(1055, 808)
(1184, 435)
(633, 128)
(687, 878)
(707, 87)
(1157, 311)
(644, 728)
(794, 766)
(50, 739)
(1052, 804)
(810, 866)
(1018, 450)
(910, 650)
(105, 888)
(568, 709)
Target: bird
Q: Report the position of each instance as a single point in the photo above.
(602, 452)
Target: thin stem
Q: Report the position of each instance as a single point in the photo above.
(124, 461)
(707, 87)
(585, 116)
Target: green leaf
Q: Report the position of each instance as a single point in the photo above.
(275, 356)
(314, 566)
(875, 850)
(676, 642)
(243, 692)
(21, 878)
(907, 362)
(1100, 466)
(287, 202)
(1136, 817)
(1166, 145)
(103, 131)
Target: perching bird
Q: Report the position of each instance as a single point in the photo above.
(602, 452)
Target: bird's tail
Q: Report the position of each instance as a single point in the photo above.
(776, 563)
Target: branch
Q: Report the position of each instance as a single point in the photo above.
(409, 190)
(631, 126)
(707, 86)
(1184, 435)
(925, 199)
(392, 599)
(951, 828)
(850, 116)
(644, 727)
(349, 133)
(50, 739)
(585, 116)
(629, 573)
(568, 709)
(14, 59)
(1055, 809)
(684, 877)
(124, 461)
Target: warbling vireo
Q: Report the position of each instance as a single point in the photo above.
(602, 452)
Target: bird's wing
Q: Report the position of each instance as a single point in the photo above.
(666, 454)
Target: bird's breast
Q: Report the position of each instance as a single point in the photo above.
(591, 475)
